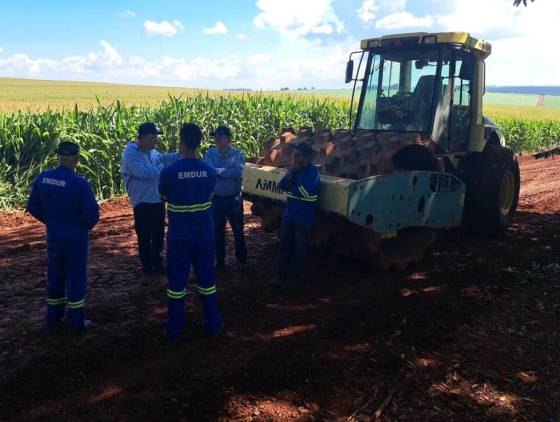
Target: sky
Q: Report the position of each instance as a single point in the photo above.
(258, 44)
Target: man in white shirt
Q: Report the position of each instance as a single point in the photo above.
(141, 167)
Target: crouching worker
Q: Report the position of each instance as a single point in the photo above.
(187, 187)
(65, 203)
(302, 185)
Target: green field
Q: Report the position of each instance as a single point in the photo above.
(495, 104)
(490, 98)
(37, 95)
(28, 140)
(36, 115)
(511, 99)
(552, 101)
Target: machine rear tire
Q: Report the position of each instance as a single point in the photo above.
(493, 184)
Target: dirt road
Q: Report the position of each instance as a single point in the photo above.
(472, 333)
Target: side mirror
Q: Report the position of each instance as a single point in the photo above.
(349, 71)
(467, 68)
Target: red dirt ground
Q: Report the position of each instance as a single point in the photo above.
(472, 333)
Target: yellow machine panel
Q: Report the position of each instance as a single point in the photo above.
(463, 38)
(262, 181)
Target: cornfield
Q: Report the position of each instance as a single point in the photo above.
(28, 140)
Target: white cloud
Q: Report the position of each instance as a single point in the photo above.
(325, 28)
(128, 13)
(288, 65)
(523, 52)
(295, 18)
(404, 20)
(367, 10)
(218, 29)
(179, 25)
(259, 59)
(520, 37)
(200, 68)
(110, 54)
(107, 65)
(499, 15)
(241, 37)
(163, 28)
(21, 64)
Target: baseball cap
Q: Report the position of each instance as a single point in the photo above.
(222, 131)
(68, 149)
(148, 128)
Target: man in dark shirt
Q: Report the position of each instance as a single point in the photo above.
(302, 186)
(187, 186)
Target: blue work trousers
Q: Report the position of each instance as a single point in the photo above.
(67, 279)
(180, 253)
(294, 243)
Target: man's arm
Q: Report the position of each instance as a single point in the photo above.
(309, 184)
(169, 158)
(212, 180)
(235, 171)
(287, 181)
(34, 206)
(90, 208)
(135, 165)
(162, 186)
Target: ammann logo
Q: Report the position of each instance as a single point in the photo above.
(268, 185)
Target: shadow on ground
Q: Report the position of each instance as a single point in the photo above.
(466, 335)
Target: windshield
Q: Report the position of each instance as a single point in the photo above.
(400, 91)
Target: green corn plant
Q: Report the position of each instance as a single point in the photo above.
(28, 140)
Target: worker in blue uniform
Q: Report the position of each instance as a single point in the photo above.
(187, 186)
(65, 203)
(302, 186)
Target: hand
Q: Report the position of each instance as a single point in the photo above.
(291, 170)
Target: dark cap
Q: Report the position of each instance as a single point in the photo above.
(222, 131)
(305, 149)
(68, 148)
(148, 128)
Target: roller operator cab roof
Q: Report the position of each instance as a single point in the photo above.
(423, 38)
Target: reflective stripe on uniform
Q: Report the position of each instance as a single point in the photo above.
(175, 294)
(76, 305)
(207, 290)
(189, 208)
(310, 199)
(57, 301)
(305, 193)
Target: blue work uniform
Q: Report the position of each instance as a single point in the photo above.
(227, 203)
(187, 187)
(65, 203)
(299, 215)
